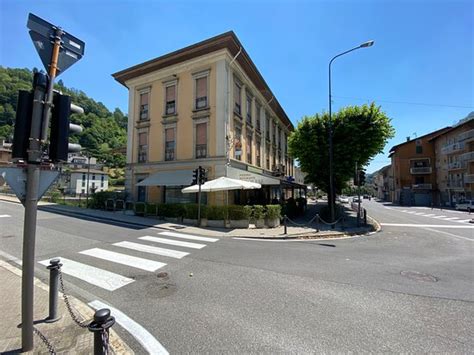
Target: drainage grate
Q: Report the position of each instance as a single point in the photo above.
(177, 227)
(419, 276)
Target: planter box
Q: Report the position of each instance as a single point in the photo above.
(220, 223)
(173, 219)
(243, 223)
(272, 223)
(259, 223)
(203, 222)
(191, 222)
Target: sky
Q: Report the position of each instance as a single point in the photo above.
(420, 69)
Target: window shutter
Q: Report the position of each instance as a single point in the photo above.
(144, 99)
(201, 133)
(170, 93)
(201, 87)
(237, 94)
(142, 139)
(169, 135)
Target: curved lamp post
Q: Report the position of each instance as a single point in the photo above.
(332, 193)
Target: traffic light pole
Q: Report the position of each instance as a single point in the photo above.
(199, 196)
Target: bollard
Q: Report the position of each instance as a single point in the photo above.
(100, 327)
(285, 223)
(365, 217)
(54, 266)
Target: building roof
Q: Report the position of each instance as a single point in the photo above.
(464, 121)
(436, 133)
(227, 40)
(91, 171)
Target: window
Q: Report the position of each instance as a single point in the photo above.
(201, 140)
(93, 176)
(248, 108)
(279, 137)
(170, 107)
(169, 144)
(267, 157)
(267, 127)
(201, 93)
(274, 133)
(257, 118)
(83, 176)
(83, 191)
(257, 152)
(142, 147)
(237, 98)
(249, 147)
(419, 149)
(83, 183)
(102, 180)
(238, 143)
(144, 106)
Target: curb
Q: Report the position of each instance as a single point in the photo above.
(117, 345)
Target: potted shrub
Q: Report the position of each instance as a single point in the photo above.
(216, 216)
(191, 214)
(272, 216)
(258, 216)
(239, 216)
(150, 209)
(172, 212)
(139, 208)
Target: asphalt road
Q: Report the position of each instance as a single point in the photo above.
(408, 288)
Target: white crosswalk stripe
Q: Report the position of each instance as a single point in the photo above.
(439, 216)
(124, 259)
(4, 215)
(451, 218)
(464, 220)
(93, 275)
(173, 242)
(152, 250)
(189, 236)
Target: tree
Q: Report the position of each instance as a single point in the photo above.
(360, 133)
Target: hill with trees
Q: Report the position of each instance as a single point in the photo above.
(104, 133)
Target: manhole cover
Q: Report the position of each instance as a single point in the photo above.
(419, 276)
(162, 275)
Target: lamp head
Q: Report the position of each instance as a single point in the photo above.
(367, 44)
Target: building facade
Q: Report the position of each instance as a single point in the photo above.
(382, 182)
(413, 168)
(74, 182)
(454, 151)
(204, 105)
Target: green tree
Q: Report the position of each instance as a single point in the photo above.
(360, 133)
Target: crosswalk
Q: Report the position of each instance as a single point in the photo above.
(111, 281)
(460, 219)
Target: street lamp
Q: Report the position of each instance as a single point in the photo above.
(332, 194)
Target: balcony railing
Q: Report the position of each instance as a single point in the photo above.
(201, 151)
(467, 156)
(469, 179)
(421, 170)
(455, 165)
(453, 148)
(466, 135)
(454, 184)
(422, 186)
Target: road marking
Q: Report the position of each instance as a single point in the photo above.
(124, 259)
(173, 242)
(430, 215)
(148, 341)
(10, 257)
(439, 216)
(4, 215)
(451, 218)
(425, 225)
(450, 234)
(189, 236)
(152, 250)
(93, 275)
(464, 220)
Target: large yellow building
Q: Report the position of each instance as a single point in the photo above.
(205, 105)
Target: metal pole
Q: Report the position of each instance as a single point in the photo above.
(199, 196)
(285, 222)
(88, 172)
(40, 83)
(331, 172)
(53, 290)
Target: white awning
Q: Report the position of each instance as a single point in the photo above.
(222, 184)
(168, 178)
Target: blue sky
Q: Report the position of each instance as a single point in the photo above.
(420, 69)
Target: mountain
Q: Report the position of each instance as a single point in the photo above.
(104, 133)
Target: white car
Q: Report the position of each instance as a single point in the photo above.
(466, 205)
(343, 199)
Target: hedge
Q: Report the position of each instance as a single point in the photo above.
(273, 211)
(237, 212)
(191, 211)
(172, 210)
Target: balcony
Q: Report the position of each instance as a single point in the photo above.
(466, 136)
(467, 156)
(469, 179)
(455, 184)
(453, 148)
(455, 165)
(421, 170)
(422, 186)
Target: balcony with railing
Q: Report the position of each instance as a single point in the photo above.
(455, 165)
(467, 156)
(466, 136)
(421, 170)
(453, 148)
(454, 184)
(201, 151)
(422, 186)
(469, 179)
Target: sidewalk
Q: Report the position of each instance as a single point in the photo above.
(293, 231)
(64, 335)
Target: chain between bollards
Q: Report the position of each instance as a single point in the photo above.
(53, 267)
(100, 327)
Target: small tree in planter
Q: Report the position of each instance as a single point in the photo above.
(216, 216)
(239, 216)
(258, 216)
(171, 212)
(191, 214)
(272, 216)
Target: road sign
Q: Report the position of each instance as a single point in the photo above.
(43, 35)
(16, 179)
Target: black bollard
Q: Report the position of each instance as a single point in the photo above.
(100, 327)
(54, 266)
(365, 217)
(285, 223)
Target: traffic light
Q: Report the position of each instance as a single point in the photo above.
(59, 145)
(195, 177)
(202, 175)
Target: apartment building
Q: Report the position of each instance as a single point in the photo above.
(382, 181)
(414, 175)
(205, 105)
(454, 150)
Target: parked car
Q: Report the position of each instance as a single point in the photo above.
(356, 199)
(466, 205)
(343, 199)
